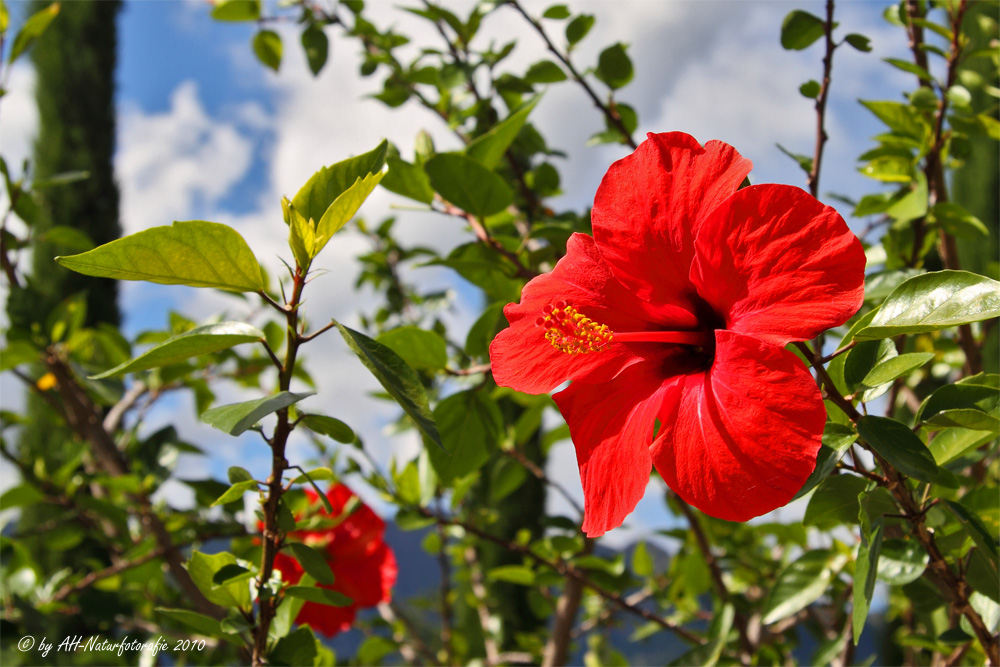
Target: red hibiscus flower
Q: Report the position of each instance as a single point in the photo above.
(676, 311)
(363, 565)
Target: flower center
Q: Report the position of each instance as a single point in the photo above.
(570, 331)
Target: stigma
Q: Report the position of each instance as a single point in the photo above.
(570, 331)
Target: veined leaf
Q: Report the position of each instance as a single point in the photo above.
(488, 149)
(203, 340)
(324, 187)
(202, 568)
(401, 381)
(236, 418)
(934, 301)
(194, 253)
(898, 445)
(312, 561)
(468, 185)
(889, 370)
(801, 583)
(344, 207)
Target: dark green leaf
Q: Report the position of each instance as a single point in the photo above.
(195, 343)
(195, 253)
(958, 397)
(267, 46)
(488, 149)
(285, 518)
(236, 10)
(544, 71)
(983, 538)
(330, 427)
(614, 67)
(836, 439)
(557, 12)
(418, 347)
(835, 502)
(316, 46)
(320, 595)
(578, 28)
(238, 474)
(902, 561)
(859, 42)
(933, 301)
(205, 625)
(865, 570)
(802, 582)
(898, 445)
(864, 358)
(805, 162)
(470, 426)
(810, 89)
(401, 381)
(468, 185)
(408, 180)
(236, 418)
(312, 561)
(296, 648)
(231, 573)
(800, 29)
(982, 574)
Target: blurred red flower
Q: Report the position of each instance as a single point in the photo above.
(363, 565)
(676, 310)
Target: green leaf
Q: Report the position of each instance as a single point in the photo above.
(324, 187)
(195, 343)
(419, 348)
(20, 495)
(642, 562)
(557, 12)
(194, 253)
(401, 381)
(320, 595)
(330, 427)
(865, 570)
(236, 10)
(236, 418)
(312, 561)
(205, 625)
(514, 574)
(898, 445)
(32, 30)
(909, 68)
(296, 648)
(316, 46)
(964, 395)
(959, 222)
(901, 561)
(488, 149)
(544, 71)
(267, 45)
(470, 426)
(901, 118)
(805, 162)
(68, 238)
(859, 42)
(235, 492)
(202, 568)
(836, 439)
(237, 474)
(344, 207)
(408, 180)
(934, 301)
(889, 370)
(976, 529)
(802, 582)
(835, 502)
(800, 29)
(285, 518)
(578, 28)
(953, 443)
(614, 67)
(863, 359)
(468, 184)
(975, 420)
(810, 89)
(982, 574)
(231, 573)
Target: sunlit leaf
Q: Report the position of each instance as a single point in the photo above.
(236, 418)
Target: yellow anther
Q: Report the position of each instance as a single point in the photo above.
(571, 332)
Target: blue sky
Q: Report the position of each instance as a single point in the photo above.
(206, 132)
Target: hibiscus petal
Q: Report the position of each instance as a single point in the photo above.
(648, 208)
(778, 264)
(368, 580)
(612, 427)
(520, 356)
(740, 439)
